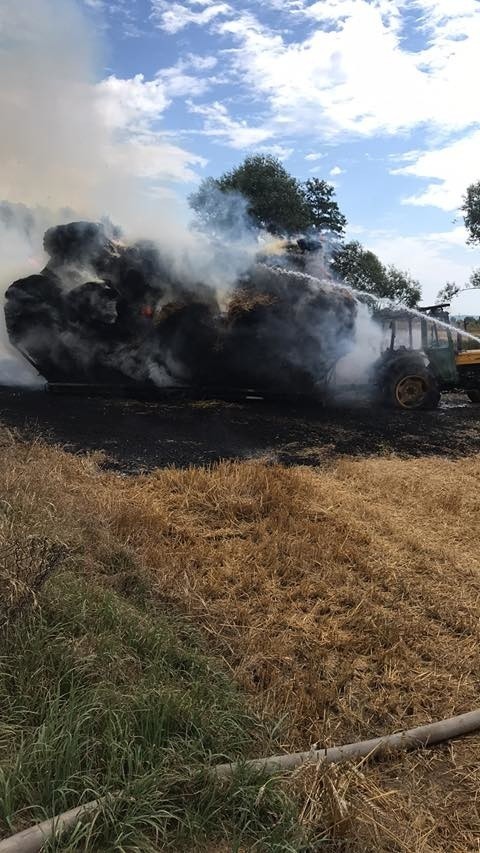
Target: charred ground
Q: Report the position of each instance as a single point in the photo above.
(138, 435)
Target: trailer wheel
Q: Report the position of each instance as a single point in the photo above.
(474, 395)
(412, 387)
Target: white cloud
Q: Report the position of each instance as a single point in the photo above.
(178, 83)
(353, 231)
(136, 102)
(280, 151)
(285, 5)
(131, 108)
(336, 171)
(455, 237)
(133, 102)
(314, 156)
(450, 169)
(404, 157)
(200, 63)
(466, 303)
(432, 258)
(219, 124)
(353, 75)
(435, 11)
(332, 11)
(122, 9)
(151, 157)
(173, 17)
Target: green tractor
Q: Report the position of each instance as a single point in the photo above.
(422, 357)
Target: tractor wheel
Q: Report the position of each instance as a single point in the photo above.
(474, 395)
(412, 386)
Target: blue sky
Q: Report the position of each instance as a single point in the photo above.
(376, 96)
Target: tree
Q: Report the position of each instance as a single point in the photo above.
(262, 192)
(360, 268)
(217, 211)
(474, 280)
(471, 211)
(363, 270)
(401, 287)
(447, 293)
(324, 212)
(275, 199)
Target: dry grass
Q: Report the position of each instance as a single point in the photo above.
(26, 563)
(423, 802)
(241, 302)
(345, 600)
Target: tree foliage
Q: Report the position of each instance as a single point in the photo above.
(401, 287)
(474, 280)
(471, 212)
(359, 268)
(447, 293)
(275, 200)
(450, 290)
(363, 270)
(217, 211)
(324, 211)
(262, 191)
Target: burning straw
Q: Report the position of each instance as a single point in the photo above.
(104, 311)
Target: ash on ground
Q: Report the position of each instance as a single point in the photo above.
(140, 435)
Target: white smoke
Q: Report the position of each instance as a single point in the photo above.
(367, 346)
(58, 149)
(355, 367)
(52, 142)
(20, 253)
(49, 142)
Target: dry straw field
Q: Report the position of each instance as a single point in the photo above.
(344, 600)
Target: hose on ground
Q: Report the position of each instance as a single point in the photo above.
(33, 839)
(421, 736)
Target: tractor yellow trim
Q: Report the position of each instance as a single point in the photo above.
(470, 356)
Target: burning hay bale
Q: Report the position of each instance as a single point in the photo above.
(104, 311)
(293, 332)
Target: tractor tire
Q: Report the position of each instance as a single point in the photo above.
(474, 395)
(411, 387)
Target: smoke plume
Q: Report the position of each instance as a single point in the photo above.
(50, 139)
(156, 301)
(106, 311)
(61, 157)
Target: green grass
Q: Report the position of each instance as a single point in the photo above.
(101, 695)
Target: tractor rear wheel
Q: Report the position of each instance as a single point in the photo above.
(412, 386)
(474, 395)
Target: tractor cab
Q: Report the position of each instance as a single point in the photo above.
(441, 343)
(418, 358)
(463, 371)
(423, 354)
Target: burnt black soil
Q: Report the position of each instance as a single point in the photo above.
(138, 435)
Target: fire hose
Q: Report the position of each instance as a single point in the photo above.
(33, 839)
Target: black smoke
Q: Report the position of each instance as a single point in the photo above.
(102, 311)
